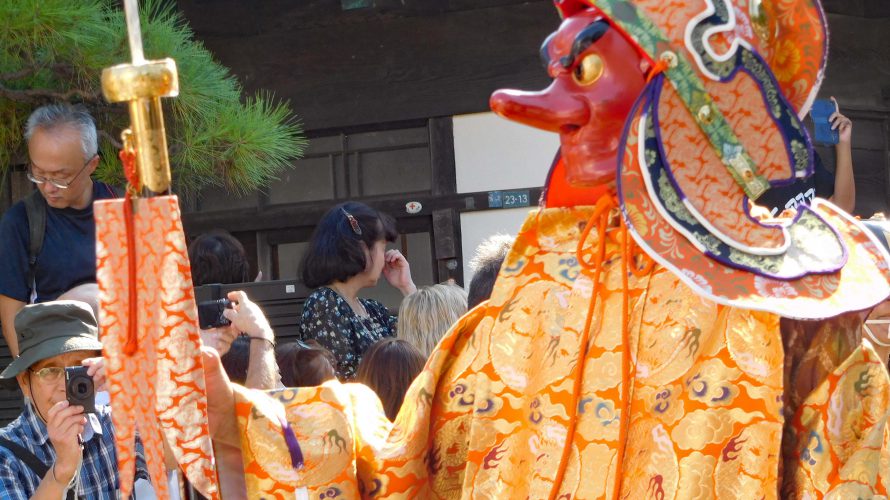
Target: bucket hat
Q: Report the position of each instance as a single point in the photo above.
(52, 328)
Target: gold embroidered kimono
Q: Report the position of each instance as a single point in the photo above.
(524, 398)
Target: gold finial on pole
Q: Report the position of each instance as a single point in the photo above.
(142, 84)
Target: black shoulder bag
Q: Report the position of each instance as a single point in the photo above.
(30, 460)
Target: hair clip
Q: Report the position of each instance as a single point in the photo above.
(352, 222)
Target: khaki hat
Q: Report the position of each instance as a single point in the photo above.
(50, 329)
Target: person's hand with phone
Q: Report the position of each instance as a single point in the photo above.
(844, 181)
(841, 123)
(247, 317)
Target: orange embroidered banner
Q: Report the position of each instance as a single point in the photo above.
(159, 390)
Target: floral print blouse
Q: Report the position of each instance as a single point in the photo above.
(329, 320)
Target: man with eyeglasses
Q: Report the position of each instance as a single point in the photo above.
(63, 152)
(53, 449)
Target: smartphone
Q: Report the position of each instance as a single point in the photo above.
(822, 110)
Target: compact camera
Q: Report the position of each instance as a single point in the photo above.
(210, 313)
(79, 388)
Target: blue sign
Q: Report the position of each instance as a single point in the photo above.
(508, 199)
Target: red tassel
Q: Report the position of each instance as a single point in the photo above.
(128, 158)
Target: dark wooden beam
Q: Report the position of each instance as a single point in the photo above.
(858, 8)
(277, 217)
(238, 18)
(444, 172)
(340, 69)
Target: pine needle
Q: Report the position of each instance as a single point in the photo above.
(216, 137)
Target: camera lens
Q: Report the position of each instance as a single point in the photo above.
(81, 388)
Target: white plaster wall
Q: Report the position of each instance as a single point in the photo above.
(476, 226)
(492, 153)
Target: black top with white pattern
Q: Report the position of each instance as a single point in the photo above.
(329, 320)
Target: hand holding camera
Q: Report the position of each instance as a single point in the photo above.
(246, 317)
(96, 370)
(233, 315)
(64, 425)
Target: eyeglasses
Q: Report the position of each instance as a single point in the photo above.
(49, 374)
(59, 184)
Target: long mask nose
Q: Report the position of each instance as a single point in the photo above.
(551, 109)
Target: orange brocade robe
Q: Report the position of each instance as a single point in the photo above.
(512, 404)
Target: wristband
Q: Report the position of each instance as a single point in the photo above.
(270, 341)
(53, 472)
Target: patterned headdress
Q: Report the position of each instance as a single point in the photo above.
(718, 126)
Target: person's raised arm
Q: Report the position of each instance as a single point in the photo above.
(220, 400)
(248, 318)
(14, 286)
(844, 181)
(9, 307)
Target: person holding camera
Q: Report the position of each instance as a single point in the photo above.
(62, 444)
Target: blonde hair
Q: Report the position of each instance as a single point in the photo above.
(428, 313)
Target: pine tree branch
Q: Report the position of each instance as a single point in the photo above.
(39, 95)
(62, 70)
(18, 75)
(53, 50)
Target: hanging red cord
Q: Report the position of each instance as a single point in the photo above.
(128, 159)
(600, 220)
(630, 254)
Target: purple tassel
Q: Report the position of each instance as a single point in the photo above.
(293, 446)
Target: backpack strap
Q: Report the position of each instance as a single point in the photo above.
(113, 191)
(35, 464)
(35, 206)
(23, 454)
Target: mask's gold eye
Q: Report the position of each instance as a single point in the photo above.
(590, 69)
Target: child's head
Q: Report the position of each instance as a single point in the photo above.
(304, 364)
(389, 367)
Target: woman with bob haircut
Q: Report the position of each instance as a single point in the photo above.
(428, 313)
(347, 252)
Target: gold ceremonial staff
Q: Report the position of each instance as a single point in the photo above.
(142, 83)
(146, 162)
